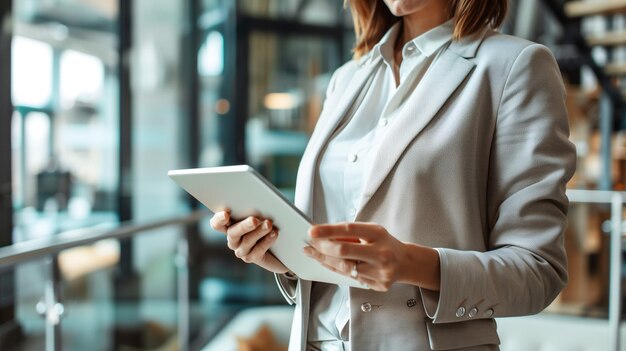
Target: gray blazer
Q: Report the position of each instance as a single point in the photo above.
(475, 165)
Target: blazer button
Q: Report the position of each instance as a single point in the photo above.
(473, 312)
(411, 303)
(488, 313)
(460, 312)
(366, 307)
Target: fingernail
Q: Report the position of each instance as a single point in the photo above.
(307, 251)
(310, 231)
(252, 223)
(266, 225)
(273, 234)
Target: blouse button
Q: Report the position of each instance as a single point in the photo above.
(410, 49)
(383, 122)
(352, 158)
(366, 307)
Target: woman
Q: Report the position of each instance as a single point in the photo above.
(443, 151)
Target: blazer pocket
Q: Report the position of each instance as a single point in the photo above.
(449, 336)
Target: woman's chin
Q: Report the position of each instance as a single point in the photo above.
(398, 10)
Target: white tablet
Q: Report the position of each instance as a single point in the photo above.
(246, 193)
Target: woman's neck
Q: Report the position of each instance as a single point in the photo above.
(415, 24)
(420, 22)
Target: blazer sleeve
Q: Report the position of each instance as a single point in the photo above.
(287, 284)
(524, 267)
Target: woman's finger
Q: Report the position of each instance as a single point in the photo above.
(249, 240)
(220, 221)
(371, 283)
(376, 273)
(237, 230)
(346, 267)
(338, 265)
(345, 250)
(261, 247)
(366, 231)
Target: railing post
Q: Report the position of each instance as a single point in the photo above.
(182, 280)
(128, 328)
(50, 308)
(615, 280)
(606, 130)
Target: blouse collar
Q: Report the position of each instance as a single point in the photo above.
(427, 43)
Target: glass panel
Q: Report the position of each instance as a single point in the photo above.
(95, 320)
(92, 318)
(86, 132)
(29, 291)
(288, 79)
(65, 89)
(37, 150)
(61, 17)
(159, 143)
(210, 5)
(32, 72)
(211, 55)
(587, 245)
(159, 112)
(325, 12)
(82, 78)
(17, 159)
(87, 279)
(212, 106)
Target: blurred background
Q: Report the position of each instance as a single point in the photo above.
(99, 250)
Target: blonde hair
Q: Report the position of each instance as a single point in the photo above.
(372, 19)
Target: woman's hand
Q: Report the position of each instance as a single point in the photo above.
(250, 239)
(381, 260)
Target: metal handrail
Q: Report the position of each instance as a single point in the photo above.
(594, 196)
(39, 248)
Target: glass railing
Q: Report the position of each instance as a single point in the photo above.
(176, 289)
(71, 291)
(615, 228)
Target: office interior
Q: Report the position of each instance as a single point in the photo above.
(100, 250)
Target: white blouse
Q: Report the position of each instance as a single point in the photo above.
(347, 157)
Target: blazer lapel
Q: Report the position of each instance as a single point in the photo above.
(436, 87)
(336, 108)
